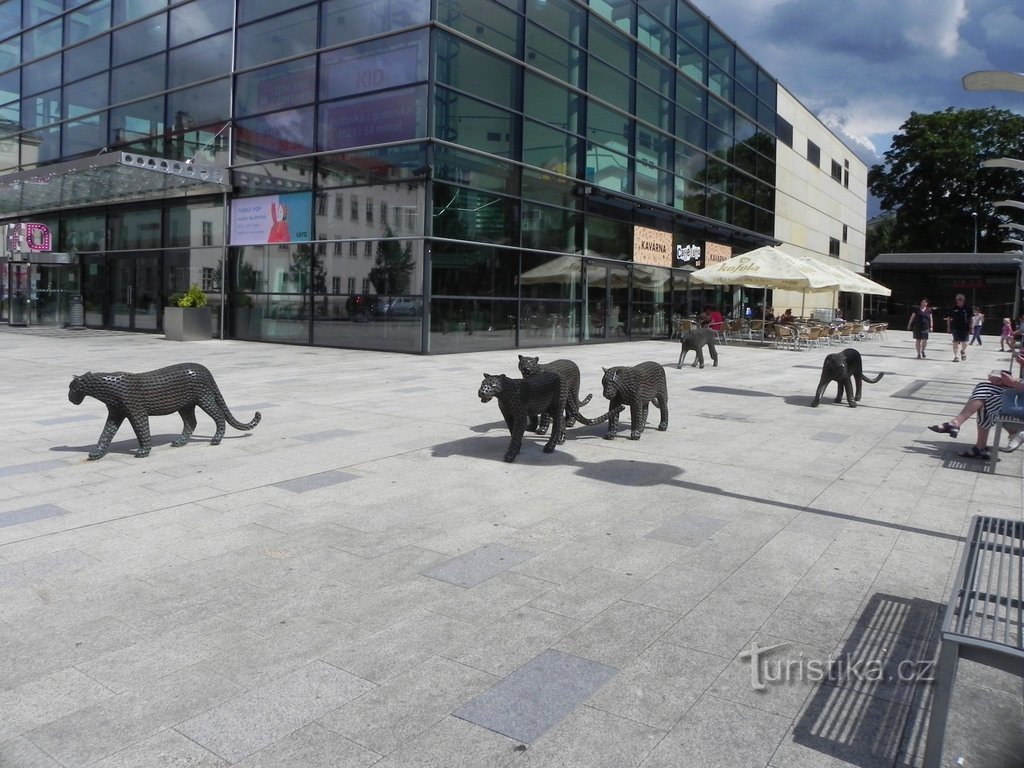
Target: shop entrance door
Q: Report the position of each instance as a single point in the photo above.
(134, 292)
(605, 299)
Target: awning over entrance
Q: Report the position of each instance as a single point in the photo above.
(107, 178)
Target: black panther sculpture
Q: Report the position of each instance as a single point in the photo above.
(568, 370)
(137, 396)
(843, 368)
(695, 340)
(635, 386)
(519, 399)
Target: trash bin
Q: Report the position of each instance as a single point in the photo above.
(76, 313)
(19, 308)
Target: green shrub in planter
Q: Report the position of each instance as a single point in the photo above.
(193, 297)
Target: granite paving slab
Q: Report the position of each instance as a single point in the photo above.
(315, 482)
(535, 698)
(477, 566)
(30, 514)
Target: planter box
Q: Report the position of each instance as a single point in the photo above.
(188, 323)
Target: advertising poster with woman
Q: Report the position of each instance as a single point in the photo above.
(271, 219)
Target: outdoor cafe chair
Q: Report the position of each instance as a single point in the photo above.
(785, 336)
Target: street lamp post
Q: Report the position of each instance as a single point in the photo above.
(974, 215)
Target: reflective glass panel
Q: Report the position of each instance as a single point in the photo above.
(42, 40)
(617, 12)
(86, 95)
(41, 10)
(692, 63)
(250, 10)
(719, 83)
(472, 123)
(548, 148)
(472, 69)
(200, 18)
(10, 15)
(561, 17)
(87, 21)
(691, 25)
(199, 61)
(279, 134)
(87, 134)
(654, 109)
(345, 20)
(276, 87)
(608, 127)
(140, 39)
(609, 84)
(82, 233)
(551, 103)
(746, 71)
(720, 51)
(135, 228)
(375, 119)
(483, 172)
(374, 66)
(547, 188)
(476, 269)
(127, 10)
(199, 106)
(282, 36)
(610, 46)
(41, 75)
(139, 125)
(88, 58)
(553, 55)
(10, 52)
(9, 87)
(607, 169)
(655, 36)
(471, 214)
(486, 22)
(41, 110)
(142, 78)
(549, 229)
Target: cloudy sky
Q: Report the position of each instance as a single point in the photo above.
(864, 66)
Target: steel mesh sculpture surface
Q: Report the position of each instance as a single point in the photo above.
(636, 386)
(695, 340)
(568, 370)
(844, 368)
(177, 388)
(520, 399)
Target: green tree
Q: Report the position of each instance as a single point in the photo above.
(304, 269)
(393, 266)
(932, 181)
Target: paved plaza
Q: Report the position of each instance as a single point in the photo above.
(362, 581)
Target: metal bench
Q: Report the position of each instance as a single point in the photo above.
(984, 615)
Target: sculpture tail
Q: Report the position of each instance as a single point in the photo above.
(600, 419)
(586, 399)
(230, 419)
(875, 380)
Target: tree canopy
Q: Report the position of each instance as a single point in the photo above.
(932, 181)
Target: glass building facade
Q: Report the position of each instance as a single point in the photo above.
(406, 175)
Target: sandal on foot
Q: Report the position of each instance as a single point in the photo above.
(974, 453)
(946, 429)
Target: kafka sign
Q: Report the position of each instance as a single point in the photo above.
(652, 246)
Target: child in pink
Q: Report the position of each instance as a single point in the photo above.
(1006, 337)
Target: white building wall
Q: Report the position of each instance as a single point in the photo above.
(811, 206)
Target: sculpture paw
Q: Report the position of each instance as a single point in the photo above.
(853, 403)
(702, 365)
(663, 427)
(608, 435)
(679, 365)
(93, 455)
(510, 457)
(549, 448)
(142, 453)
(814, 404)
(179, 442)
(215, 441)
(716, 363)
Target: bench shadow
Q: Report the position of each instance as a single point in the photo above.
(868, 709)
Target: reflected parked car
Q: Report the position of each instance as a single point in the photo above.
(363, 306)
(406, 307)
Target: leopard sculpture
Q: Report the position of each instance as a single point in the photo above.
(545, 392)
(637, 387)
(695, 340)
(844, 368)
(137, 396)
(568, 370)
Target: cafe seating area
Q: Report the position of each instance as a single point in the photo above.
(805, 333)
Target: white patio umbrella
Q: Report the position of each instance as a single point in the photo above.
(766, 267)
(848, 280)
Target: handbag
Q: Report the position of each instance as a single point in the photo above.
(1012, 405)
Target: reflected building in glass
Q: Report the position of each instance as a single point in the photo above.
(403, 175)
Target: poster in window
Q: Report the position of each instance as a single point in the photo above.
(271, 219)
